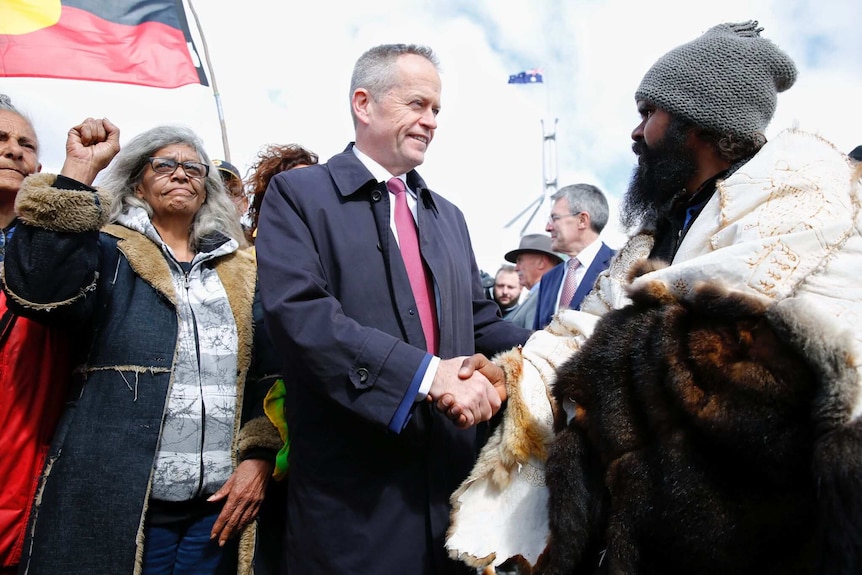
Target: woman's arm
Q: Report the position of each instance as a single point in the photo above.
(51, 262)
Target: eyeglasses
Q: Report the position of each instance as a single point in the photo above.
(554, 217)
(166, 166)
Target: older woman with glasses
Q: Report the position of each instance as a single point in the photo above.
(164, 452)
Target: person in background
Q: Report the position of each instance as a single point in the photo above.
(487, 284)
(272, 160)
(161, 460)
(34, 359)
(272, 522)
(232, 180)
(372, 296)
(533, 259)
(507, 289)
(578, 215)
(703, 410)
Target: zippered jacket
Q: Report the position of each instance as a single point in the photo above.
(114, 285)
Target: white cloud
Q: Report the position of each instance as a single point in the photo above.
(283, 71)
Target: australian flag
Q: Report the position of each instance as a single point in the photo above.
(533, 76)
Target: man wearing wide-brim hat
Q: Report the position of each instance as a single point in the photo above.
(532, 259)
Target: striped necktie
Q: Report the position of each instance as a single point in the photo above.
(570, 284)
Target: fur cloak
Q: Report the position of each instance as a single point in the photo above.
(706, 439)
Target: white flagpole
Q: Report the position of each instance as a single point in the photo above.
(549, 168)
(216, 94)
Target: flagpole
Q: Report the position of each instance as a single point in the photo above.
(549, 152)
(216, 94)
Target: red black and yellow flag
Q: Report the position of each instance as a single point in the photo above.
(146, 42)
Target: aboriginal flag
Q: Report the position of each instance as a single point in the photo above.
(146, 42)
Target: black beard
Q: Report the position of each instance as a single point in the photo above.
(661, 174)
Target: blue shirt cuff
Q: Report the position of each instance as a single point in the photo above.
(405, 408)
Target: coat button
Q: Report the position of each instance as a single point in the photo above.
(411, 311)
(376, 195)
(363, 374)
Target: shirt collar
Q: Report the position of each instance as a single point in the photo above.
(588, 254)
(380, 173)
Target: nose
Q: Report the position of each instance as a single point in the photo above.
(11, 148)
(429, 119)
(179, 174)
(638, 132)
(548, 226)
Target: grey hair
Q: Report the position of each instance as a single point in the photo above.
(6, 104)
(586, 198)
(375, 71)
(126, 172)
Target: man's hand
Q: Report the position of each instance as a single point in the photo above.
(468, 389)
(90, 147)
(493, 372)
(244, 490)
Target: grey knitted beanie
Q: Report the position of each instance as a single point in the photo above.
(725, 81)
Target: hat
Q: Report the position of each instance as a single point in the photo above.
(227, 170)
(726, 81)
(533, 243)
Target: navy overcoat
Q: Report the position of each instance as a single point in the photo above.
(338, 305)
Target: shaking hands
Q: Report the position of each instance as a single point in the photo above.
(469, 390)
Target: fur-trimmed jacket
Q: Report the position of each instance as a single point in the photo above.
(114, 285)
(698, 417)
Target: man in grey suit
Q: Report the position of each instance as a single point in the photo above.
(578, 216)
(532, 259)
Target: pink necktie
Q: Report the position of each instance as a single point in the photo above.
(570, 284)
(420, 278)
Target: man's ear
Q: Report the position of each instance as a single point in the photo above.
(361, 103)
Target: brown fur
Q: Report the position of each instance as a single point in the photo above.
(509, 446)
(525, 437)
(694, 448)
(145, 258)
(643, 267)
(40, 204)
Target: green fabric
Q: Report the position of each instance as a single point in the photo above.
(273, 406)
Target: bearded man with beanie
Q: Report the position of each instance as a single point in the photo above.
(702, 412)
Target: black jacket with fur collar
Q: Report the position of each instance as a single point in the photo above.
(113, 287)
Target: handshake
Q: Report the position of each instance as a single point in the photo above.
(469, 390)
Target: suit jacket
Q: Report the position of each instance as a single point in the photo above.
(338, 305)
(552, 280)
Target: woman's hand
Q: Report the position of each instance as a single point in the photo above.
(90, 147)
(244, 491)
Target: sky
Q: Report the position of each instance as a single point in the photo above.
(282, 71)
